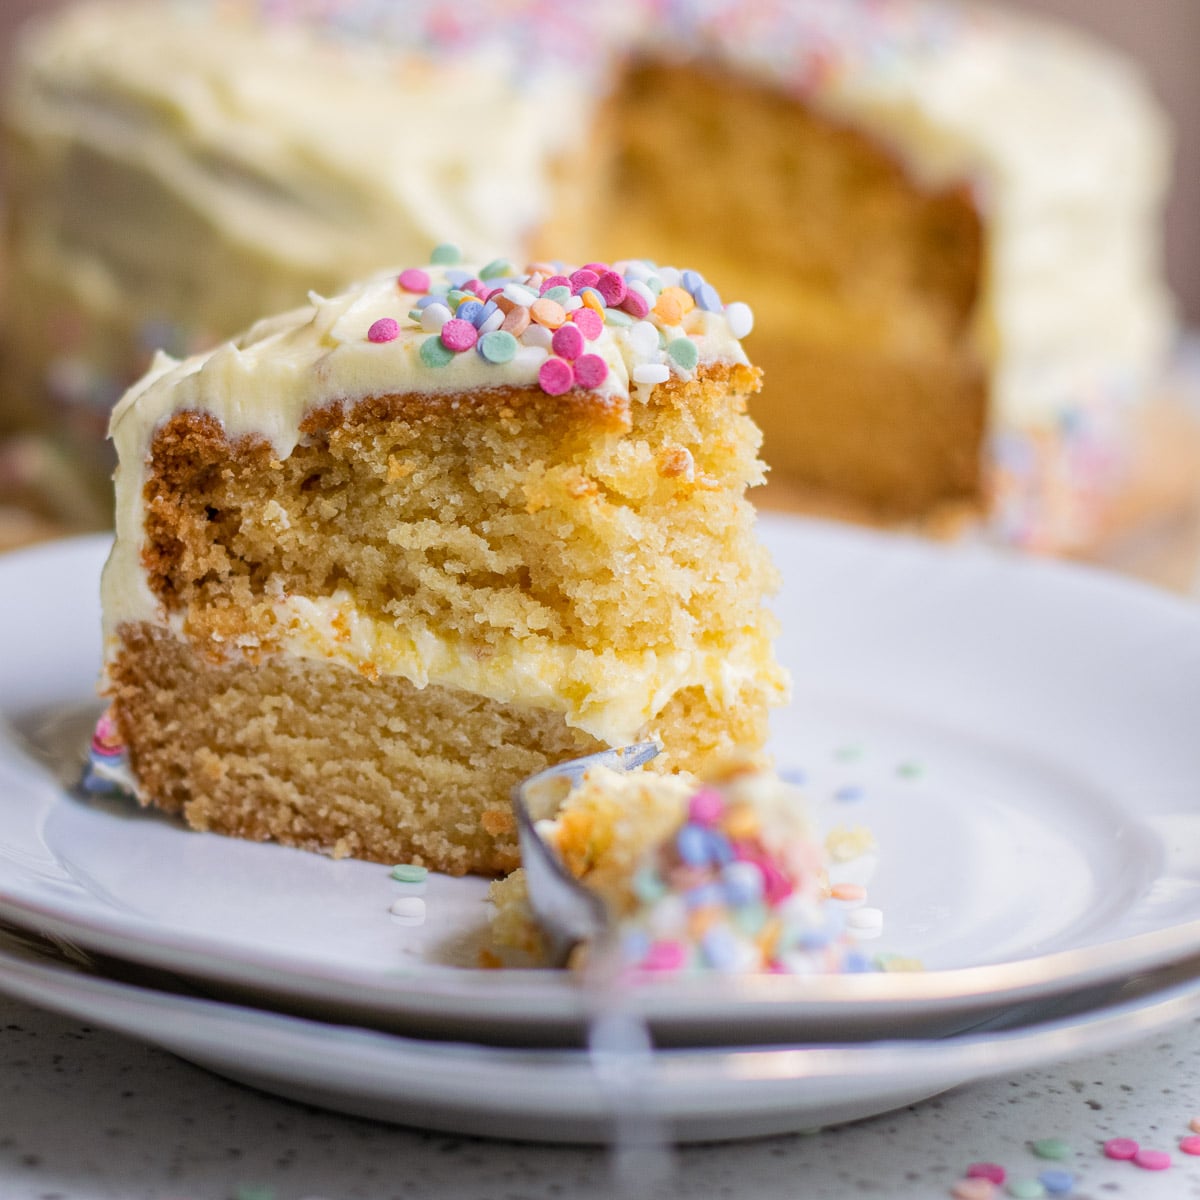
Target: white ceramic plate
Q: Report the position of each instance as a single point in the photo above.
(1021, 737)
(569, 1095)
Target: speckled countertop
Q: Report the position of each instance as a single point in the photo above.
(89, 1115)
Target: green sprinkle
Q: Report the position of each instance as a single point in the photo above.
(409, 873)
(1051, 1147)
(848, 753)
(434, 353)
(648, 885)
(614, 316)
(498, 346)
(457, 296)
(496, 268)
(910, 770)
(560, 293)
(445, 255)
(414, 314)
(655, 285)
(1026, 1189)
(684, 353)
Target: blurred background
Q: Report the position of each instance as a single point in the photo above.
(1162, 35)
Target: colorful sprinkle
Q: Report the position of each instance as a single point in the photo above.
(1120, 1148)
(973, 1188)
(410, 873)
(1194, 1124)
(1026, 1189)
(498, 346)
(590, 370)
(1051, 1147)
(549, 313)
(1190, 1145)
(411, 908)
(516, 321)
(589, 322)
(413, 279)
(434, 353)
(1056, 1181)
(459, 335)
(1152, 1160)
(987, 1170)
(651, 373)
(567, 341)
(556, 377)
(684, 353)
(447, 254)
(383, 330)
(434, 317)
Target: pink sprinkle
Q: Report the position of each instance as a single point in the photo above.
(1152, 1160)
(665, 956)
(459, 335)
(986, 1170)
(583, 278)
(612, 287)
(776, 885)
(493, 294)
(599, 268)
(590, 322)
(567, 341)
(634, 304)
(1122, 1149)
(1190, 1145)
(476, 286)
(590, 370)
(556, 377)
(555, 281)
(383, 330)
(706, 807)
(413, 279)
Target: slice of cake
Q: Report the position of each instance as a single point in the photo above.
(384, 556)
(727, 873)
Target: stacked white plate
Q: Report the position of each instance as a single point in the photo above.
(1022, 738)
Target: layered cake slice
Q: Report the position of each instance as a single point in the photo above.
(382, 557)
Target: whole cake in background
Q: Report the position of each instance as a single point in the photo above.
(384, 556)
(952, 215)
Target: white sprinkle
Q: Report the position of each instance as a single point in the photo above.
(669, 276)
(740, 318)
(643, 339)
(433, 317)
(519, 294)
(651, 373)
(865, 919)
(493, 322)
(411, 908)
(573, 303)
(538, 335)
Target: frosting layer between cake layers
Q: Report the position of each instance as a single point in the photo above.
(392, 337)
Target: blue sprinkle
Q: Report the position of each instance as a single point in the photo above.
(707, 895)
(426, 301)
(719, 849)
(794, 775)
(720, 947)
(469, 310)
(856, 962)
(457, 277)
(707, 298)
(635, 945)
(1057, 1181)
(743, 883)
(848, 794)
(691, 280)
(815, 939)
(692, 844)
